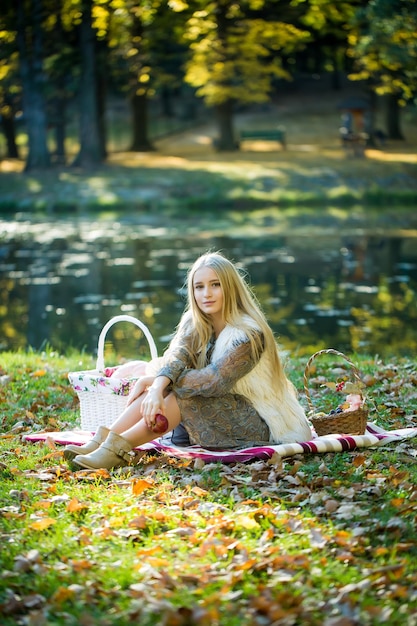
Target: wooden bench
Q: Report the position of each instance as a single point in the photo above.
(276, 134)
(355, 143)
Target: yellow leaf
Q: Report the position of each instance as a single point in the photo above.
(397, 502)
(139, 485)
(75, 505)
(245, 565)
(359, 460)
(42, 524)
(138, 522)
(155, 561)
(52, 422)
(84, 539)
(92, 475)
(106, 532)
(159, 516)
(145, 552)
(268, 535)
(198, 491)
(43, 504)
(61, 595)
(53, 456)
(81, 565)
(329, 385)
(39, 373)
(246, 522)
(50, 443)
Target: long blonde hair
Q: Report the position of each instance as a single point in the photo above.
(240, 308)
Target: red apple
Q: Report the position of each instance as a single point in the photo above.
(161, 424)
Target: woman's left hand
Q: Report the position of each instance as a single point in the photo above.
(139, 388)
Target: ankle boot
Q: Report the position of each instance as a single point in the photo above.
(72, 451)
(114, 452)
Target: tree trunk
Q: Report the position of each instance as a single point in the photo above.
(59, 103)
(139, 96)
(393, 117)
(226, 140)
(224, 110)
(60, 129)
(337, 72)
(102, 71)
(31, 69)
(9, 131)
(140, 140)
(166, 101)
(101, 114)
(369, 120)
(90, 153)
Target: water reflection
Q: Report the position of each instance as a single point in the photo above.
(60, 283)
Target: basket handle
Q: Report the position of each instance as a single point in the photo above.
(307, 370)
(114, 320)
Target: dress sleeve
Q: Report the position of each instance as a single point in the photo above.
(175, 362)
(218, 378)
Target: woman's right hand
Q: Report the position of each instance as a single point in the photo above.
(152, 404)
(139, 388)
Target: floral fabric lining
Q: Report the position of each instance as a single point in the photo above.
(96, 382)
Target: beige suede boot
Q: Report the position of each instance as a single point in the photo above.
(72, 451)
(114, 452)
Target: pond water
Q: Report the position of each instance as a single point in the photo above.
(62, 280)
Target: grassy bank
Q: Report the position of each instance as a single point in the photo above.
(319, 540)
(186, 173)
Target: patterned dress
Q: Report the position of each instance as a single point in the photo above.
(213, 416)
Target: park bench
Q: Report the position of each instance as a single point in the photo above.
(275, 134)
(353, 143)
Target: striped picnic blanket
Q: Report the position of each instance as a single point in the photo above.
(373, 437)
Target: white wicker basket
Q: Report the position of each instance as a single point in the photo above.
(102, 398)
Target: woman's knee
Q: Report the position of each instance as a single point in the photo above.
(172, 408)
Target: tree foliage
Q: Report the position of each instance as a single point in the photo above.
(384, 46)
(236, 56)
(225, 52)
(327, 14)
(10, 89)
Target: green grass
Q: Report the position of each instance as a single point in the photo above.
(298, 541)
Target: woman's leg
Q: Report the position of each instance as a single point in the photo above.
(127, 432)
(133, 427)
(126, 420)
(129, 416)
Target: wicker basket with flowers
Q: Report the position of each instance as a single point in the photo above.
(350, 416)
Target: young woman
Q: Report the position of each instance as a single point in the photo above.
(221, 378)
